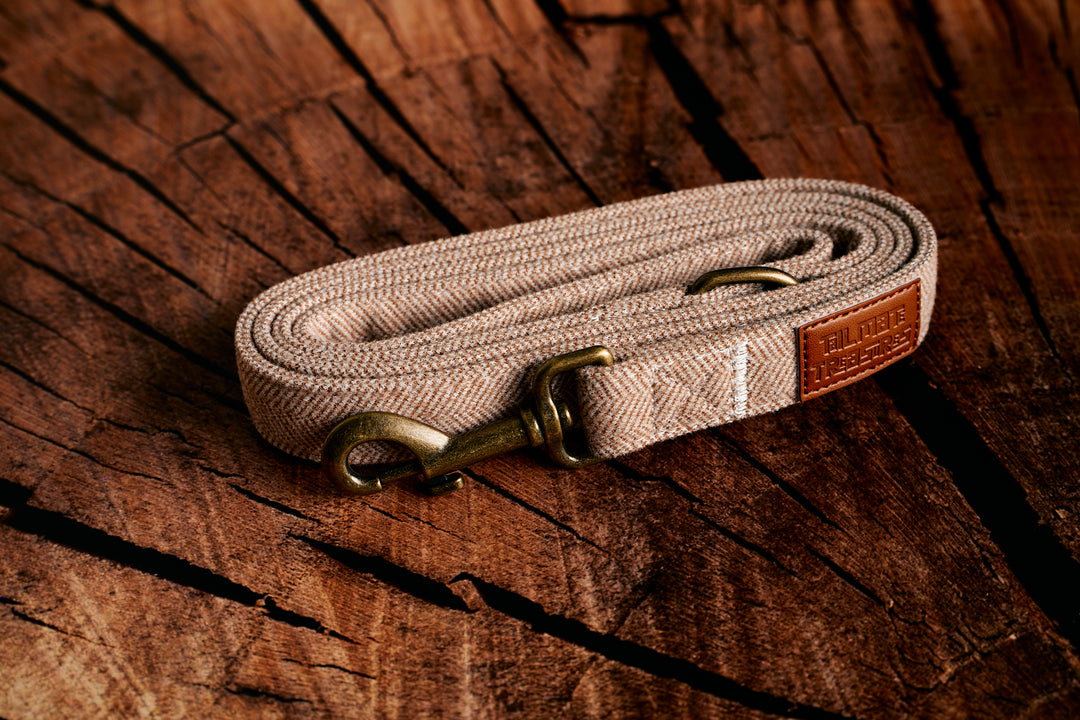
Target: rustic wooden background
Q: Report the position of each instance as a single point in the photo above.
(907, 546)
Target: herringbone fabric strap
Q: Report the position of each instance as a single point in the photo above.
(449, 332)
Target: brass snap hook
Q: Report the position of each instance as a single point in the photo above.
(439, 455)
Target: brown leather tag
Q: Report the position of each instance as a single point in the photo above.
(853, 343)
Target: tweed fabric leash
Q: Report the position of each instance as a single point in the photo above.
(450, 332)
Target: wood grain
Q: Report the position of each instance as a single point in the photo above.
(901, 547)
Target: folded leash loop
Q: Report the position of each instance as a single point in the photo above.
(449, 334)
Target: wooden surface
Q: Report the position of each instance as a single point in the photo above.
(906, 546)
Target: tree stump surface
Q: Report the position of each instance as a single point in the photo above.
(905, 546)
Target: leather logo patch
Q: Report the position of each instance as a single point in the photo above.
(853, 343)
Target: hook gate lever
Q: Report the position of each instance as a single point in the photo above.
(438, 455)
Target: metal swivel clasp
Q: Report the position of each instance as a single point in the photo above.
(543, 421)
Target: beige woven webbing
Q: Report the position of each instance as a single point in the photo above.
(449, 332)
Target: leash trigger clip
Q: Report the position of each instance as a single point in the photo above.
(439, 456)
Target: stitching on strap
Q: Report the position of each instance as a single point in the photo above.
(738, 380)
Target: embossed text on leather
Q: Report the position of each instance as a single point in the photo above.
(853, 343)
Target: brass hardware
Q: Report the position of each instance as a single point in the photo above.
(730, 276)
(438, 455)
(544, 422)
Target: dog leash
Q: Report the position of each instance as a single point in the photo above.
(661, 316)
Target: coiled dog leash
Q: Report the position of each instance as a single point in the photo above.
(796, 288)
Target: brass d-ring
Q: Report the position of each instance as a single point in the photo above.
(731, 276)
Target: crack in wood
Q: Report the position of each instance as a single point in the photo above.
(57, 528)
(630, 473)
(775, 479)
(950, 668)
(848, 578)
(414, 518)
(283, 192)
(844, 14)
(255, 692)
(534, 122)
(752, 548)
(732, 39)
(532, 509)
(925, 20)
(280, 507)
(385, 22)
(41, 623)
(149, 432)
(87, 86)
(44, 326)
(330, 666)
(531, 613)
(113, 232)
(722, 150)
(179, 149)
(396, 576)
(1032, 551)
(1063, 16)
(13, 495)
(83, 145)
(633, 655)
(884, 166)
(345, 51)
(1013, 30)
(556, 15)
(1067, 71)
(390, 169)
(32, 222)
(84, 454)
(295, 619)
(1023, 280)
(494, 16)
(141, 326)
(41, 386)
(162, 55)
(232, 231)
